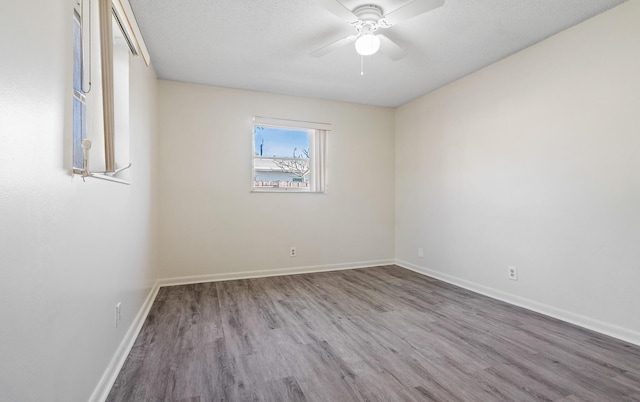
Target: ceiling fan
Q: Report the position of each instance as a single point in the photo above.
(367, 19)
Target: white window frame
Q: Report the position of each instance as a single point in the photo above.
(114, 94)
(317, 154)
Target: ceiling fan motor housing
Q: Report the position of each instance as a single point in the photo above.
(370, 18)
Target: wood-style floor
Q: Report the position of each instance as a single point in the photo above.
(375, 334)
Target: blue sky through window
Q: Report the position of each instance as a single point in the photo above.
(79, 104)
(279, 142)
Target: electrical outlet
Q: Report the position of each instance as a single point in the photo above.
(512, 273)
(118, 314)
(292, 252)
(421, 252)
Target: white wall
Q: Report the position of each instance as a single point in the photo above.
(69, 251)
(211, 223)
(533, 162)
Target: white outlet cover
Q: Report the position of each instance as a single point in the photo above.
(421, 252)
(512, 273)
(118, 310)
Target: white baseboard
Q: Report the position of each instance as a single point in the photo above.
(602, 327)
(229, 276)
(101, 392)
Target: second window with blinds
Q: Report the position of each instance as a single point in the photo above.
(289, 156)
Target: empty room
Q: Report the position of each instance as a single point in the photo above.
(320, 200)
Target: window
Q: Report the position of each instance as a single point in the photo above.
(289, 155)
(79, 94)
(117, 36)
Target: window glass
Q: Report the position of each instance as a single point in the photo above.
(281, 158)
(79, 97)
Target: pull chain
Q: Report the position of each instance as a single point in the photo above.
(361, 65)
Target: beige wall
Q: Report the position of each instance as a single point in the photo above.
(69, 251)
(533, 162)
(212, 223)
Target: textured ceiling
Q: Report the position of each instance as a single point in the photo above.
(264, 45)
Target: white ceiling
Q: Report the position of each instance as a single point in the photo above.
(264, 45)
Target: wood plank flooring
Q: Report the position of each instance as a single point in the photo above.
(374, 334)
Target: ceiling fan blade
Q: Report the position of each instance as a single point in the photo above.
(390, 48)
(333, 46)
(412, 9)
(338, 9)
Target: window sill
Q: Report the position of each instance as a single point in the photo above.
(102, 176)
(282, 191)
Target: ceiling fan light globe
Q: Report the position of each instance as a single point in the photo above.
(367, 44)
